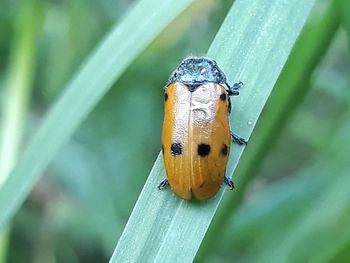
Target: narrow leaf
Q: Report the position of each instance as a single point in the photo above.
(252, 46)
(115, 53)
(289, 91)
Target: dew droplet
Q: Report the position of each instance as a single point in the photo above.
(250, 123)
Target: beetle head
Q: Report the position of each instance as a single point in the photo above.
(194, 71)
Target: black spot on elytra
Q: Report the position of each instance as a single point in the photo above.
(223, 96)
(203, 149)
(202, 184)
(165, 96)
(162, 149)
(176, 148)
(224, 150)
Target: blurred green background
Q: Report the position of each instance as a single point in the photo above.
(297, 194)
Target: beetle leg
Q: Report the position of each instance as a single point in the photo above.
(237, 139)
(229, 182)
(163, 184)
(229, 106)
(234, 90)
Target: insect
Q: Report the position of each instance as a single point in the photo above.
(196, 135)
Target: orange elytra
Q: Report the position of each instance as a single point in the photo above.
(196, 134)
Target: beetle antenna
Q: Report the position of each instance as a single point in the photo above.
(234, 90)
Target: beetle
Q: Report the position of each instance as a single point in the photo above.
(196, 133)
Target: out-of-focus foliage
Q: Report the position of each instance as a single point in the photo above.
(297, 202)
(343, 7)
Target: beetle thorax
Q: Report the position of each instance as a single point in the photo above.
(196, 71)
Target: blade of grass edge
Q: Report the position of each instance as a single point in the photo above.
(127, 39)
(252, 45)
(291, 87)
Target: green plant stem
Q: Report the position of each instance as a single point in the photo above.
(291, 88)
(18, 86)
(4, 241)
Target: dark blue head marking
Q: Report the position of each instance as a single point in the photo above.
(194, 71)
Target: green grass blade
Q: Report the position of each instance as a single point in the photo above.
(291, 87)
(110, 59)
(17, 87)
(252, 46)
